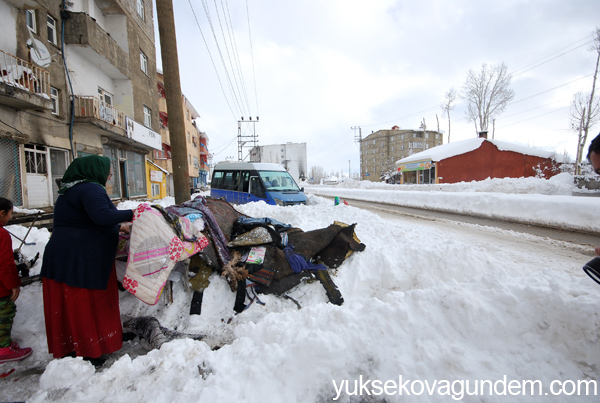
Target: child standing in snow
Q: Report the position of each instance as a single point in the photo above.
(10, 285)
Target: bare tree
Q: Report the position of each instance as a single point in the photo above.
(388, 168)
(448, 105)
(316, 174)
(487, 93)
(584, 111)
(583, 116)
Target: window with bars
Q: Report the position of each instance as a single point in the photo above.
(35, 159)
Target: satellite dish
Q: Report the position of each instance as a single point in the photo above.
(39, 53)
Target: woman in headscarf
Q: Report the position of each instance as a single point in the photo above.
(81, 301)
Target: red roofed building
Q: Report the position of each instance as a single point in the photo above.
(475, 160)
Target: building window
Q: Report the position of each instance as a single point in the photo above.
(35, 159)
(136, 173)
(188, 137)
(51, 30)
(189, 159)
(54, 98)
(143, 62)
(104, 96)
(392, 138)
(31, 20)
(155, 189)
(147, 116)
(187, 111)
(140, 8)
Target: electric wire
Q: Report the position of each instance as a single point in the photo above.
(233, 70)
(227, 15)
(211, 59)
(252, 55)
(212, 28)
(525, 68)
(517, 72)
(12, 127)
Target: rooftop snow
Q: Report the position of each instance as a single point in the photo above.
(462, 147)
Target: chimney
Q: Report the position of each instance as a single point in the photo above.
(483, 134)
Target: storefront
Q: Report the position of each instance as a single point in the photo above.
(420, 172)
(157, 180)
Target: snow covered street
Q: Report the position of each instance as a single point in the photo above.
(426, 302)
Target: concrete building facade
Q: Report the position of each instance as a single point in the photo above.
(291, 156)
(87, 90)
(380, 150)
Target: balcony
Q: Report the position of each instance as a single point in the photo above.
(96, 45)
(100, 117)
(23, 85)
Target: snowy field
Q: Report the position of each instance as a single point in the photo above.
(429, 316)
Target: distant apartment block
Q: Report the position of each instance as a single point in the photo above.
(380, 150)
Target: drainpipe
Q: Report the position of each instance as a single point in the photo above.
(64, 15)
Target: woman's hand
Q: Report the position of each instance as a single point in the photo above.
(126, 228)
(15, 293)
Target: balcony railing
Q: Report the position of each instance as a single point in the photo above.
(93, 107)
(26, 76)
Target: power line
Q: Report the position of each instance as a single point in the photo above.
(236, 53)
(252, 55)
(211, 59)
(525, 68)
(233, 70)
(534, 117)
(212, 28)
(522, 70)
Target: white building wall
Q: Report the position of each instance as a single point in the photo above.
(87, 77)
(289, 155)
(8, 28)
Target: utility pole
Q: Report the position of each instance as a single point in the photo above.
(358, 140)
(253, 136)
(170, 63)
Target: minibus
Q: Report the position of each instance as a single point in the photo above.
(245, 182)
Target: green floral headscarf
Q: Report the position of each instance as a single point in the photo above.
(91, 168)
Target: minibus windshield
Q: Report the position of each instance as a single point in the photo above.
(278, 181)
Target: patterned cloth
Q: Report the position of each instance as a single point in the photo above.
(8, 309)
(154, 248)
(199, 203)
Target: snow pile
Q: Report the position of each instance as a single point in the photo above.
(561, 184)
(420, 303)
(524, 200)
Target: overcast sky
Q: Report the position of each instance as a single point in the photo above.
(322, 67)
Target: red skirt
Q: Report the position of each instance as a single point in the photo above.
(80, 320)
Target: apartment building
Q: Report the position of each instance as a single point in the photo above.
(196, 141)
(380, 150)
(291, 156)
(75, 81)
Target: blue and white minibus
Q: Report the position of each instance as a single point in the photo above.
(245, 182)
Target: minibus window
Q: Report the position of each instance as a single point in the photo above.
(217, 180)
(228, 183)
(245, 176)
(256, 188)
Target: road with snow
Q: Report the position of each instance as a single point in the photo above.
(578, 240)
